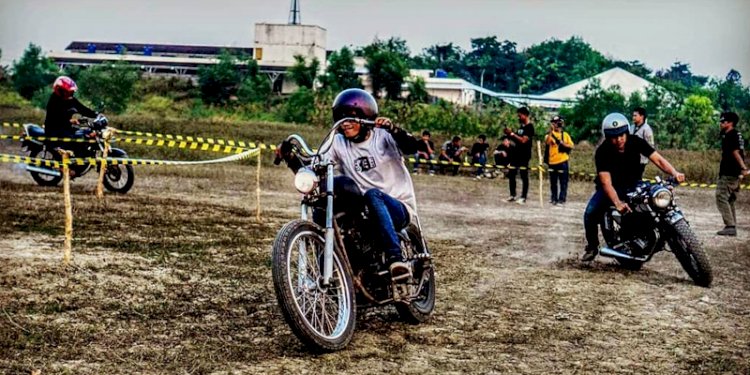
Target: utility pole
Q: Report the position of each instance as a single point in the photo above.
(295, 18)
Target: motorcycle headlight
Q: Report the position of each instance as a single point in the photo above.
(662, 198)
(305, 181)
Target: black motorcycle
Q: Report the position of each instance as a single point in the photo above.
(633, 238)
(117, 178)
(325, 266)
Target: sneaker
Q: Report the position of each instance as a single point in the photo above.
(560, 205)
(478, 177)
(728, 231)
(552, 202)
(521, 201)
(511, 199)
(589, 254)
(431, 173)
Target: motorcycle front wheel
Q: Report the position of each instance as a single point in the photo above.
(40, 178)
(322, 317)
(689, 252)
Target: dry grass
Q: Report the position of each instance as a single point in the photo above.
(175, 278)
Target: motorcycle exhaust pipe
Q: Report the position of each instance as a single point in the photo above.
(612, 253)
(50, 172)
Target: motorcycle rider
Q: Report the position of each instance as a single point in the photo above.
(371, 162)
(61, 107)
(618, 171)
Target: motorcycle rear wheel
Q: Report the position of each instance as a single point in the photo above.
(323, 318)
(40, 178)
(689, 252)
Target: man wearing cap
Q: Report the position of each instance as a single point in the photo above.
(559, 145)
(731, 170)
(523, 139)
(643, 130)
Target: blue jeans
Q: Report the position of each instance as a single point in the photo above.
(559, 173)
(482, 159)
(387, 215)
(592, 217)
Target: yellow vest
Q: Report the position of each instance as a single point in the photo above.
(555, 156)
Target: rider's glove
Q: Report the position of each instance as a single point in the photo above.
(387, 124)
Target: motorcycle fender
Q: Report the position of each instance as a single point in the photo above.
(117, 153)
(673, 217)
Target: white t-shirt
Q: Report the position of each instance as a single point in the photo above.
(376, 163)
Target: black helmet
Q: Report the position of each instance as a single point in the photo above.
(354, 103)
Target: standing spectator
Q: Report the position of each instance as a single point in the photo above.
(731, 170)
(479, 154)
(559, 145)
(426, 151)
(451, 152)
(502, 154)
(644, 131)
(522, 154)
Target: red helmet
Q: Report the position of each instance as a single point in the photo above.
(64, 87)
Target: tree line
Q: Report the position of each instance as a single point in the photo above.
(683, 105)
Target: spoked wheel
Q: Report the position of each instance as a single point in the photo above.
(321, 316)
(419, 309)
(119, 178)
(44, 179)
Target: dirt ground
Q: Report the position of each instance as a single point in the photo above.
(174, 277)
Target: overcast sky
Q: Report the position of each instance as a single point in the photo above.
(713, 36)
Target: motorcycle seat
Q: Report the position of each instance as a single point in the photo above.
(33, 130)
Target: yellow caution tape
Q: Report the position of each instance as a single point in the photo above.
(128, 161)
(5, 158)
(210, 141)
(46, 139)
(184, 144)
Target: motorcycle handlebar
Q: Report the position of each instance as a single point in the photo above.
(325, 145)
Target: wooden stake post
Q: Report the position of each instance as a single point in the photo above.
(541, 171)
(67, 247)
(103, 167)
(257, 189)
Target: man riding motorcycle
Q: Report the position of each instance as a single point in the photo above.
(618, 171)
(61, 107)
(371, 163)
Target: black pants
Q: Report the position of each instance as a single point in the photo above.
(523, 169)
(559, 173)
(454, 167)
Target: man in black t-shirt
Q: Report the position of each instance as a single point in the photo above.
(425, 151)
(731, 170)
(451, 152)
(618, 168)
(479, 154)
(523, 139)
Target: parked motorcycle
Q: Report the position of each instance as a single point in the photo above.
(325, 266)
(117, 178)
(633, 238)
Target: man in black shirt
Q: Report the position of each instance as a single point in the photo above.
(731, 170)
(425, 151)
(502, 155)
(451, 152)
(61, 107)
(618, 171)
(523, 139)
(479, 154)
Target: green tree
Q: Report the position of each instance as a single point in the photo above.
(554, 63)
(340, 74)
(33, 72)
(417, 91)
(109, 85)
(636, 67)
(387, 62)
(255, 87)
(731, 94)
(494, 64)
(3, 71)
(698, 131)
(300, 106)
(447, 57)
(584, 118)
(219, 82)
(304, 74)
(680, 73)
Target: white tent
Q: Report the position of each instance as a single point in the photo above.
(628, 83)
